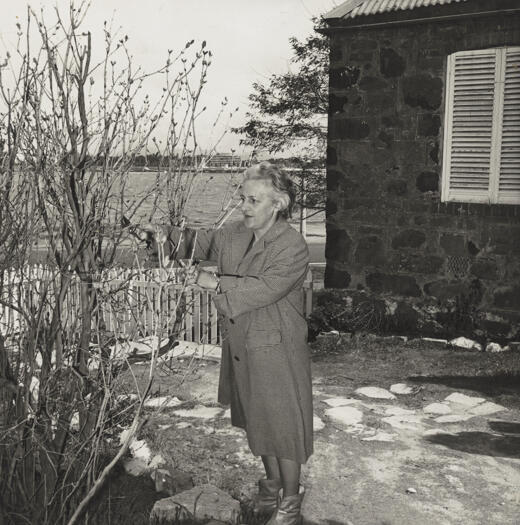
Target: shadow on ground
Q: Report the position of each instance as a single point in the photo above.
(491, 385)
(504, 442)
(506, 427)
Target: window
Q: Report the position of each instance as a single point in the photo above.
(482, 127)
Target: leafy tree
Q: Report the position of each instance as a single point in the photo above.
(290, 109)
(289, 112)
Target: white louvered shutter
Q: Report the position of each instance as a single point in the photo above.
(481, 141)
(509, 178)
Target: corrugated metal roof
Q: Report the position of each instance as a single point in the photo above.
(355, 8)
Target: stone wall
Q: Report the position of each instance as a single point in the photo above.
(389, 236)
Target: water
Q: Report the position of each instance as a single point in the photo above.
(211, 192)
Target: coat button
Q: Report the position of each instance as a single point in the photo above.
(232, 321)
(237, 358)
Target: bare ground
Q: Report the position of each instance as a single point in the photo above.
(465, 472)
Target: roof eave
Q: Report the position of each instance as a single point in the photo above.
(424, 14)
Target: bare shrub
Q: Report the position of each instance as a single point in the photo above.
(71, 127)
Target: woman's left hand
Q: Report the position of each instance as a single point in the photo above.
(207, 280)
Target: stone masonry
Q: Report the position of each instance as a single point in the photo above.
(389, 236)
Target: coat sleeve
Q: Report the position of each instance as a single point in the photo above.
(239, 295)
(181, 244)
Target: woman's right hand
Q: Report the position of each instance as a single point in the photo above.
(191, 274)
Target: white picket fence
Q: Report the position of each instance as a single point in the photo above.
(130, 304)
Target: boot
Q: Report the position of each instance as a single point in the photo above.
(267, 498)
(288, 511)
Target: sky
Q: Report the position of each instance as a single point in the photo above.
(249, 39)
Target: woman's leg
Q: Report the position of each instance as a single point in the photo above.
(266, 501)
(288, 511)
(290, 474)
(272, 469)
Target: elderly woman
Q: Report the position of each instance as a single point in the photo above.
(265, 370)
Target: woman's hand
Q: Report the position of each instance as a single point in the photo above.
(207, 280)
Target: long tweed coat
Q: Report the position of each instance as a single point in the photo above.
(265, 371)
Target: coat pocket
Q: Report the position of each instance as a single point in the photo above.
(263, 338)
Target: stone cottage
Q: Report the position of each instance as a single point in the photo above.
(423, 163)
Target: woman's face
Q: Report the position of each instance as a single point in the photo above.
(259, 206)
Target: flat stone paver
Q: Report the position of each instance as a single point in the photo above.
(375, 392)
(345, 415)
(434, 432)
(463, 399)
(486, 409)
(401, 389)
(340, 401)
(404, 422)
(437, 408)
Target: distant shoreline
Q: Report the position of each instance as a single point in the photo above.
(208, 169)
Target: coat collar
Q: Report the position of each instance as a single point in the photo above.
(242, 237)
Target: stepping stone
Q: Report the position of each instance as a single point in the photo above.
(199, 503)
(437, 408)
(401, 389)
(435, 432)
(345, 415)
(403, 422)
(226, 414)
(164, 427)
(463, 399)
(163, 401)
(380, 436)
(339, 401)
(375, 392)
(486, 409)
(199, 411)
(317, 424)
(453, 418)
